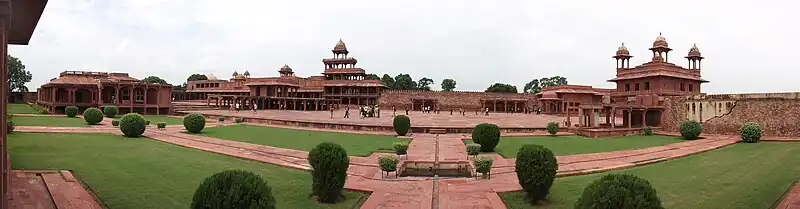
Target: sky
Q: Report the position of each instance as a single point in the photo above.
(749, 45)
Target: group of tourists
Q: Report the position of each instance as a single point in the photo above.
(238, 106)
(365, 111)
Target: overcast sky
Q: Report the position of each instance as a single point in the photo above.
(750, 46)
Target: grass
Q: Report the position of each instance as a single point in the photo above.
(21, 109)
(740, 176)
(355, 144)
(151, 174)
(572, 145)
(163, 118)
(49, 121)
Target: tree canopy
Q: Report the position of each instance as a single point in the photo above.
(372, 77)
(197, 77)
(155, 79)
(424, 84)
(448, 84)
(536, 85)
(502, 88)
(17, 75)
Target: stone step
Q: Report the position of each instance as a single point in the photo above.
(437, 131)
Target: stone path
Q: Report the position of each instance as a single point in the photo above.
(792, 198)
(49, 190)
(424, 192)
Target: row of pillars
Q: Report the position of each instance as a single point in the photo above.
(588, 118)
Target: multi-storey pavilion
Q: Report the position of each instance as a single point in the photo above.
(341, 83)
(640, 90)
(85, 89)
(18, 19)
(566, 99)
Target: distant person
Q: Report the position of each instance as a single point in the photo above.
(331, 108)
(347, 112)
(451, 111)
(394, 111)
(486, 112)
(406, 110)
(254, 106)
(377, 111)
(237, 107)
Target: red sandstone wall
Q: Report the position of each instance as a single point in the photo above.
(778, 114)
(468, 100)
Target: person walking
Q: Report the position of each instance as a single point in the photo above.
(254, 106)
(237, 107)
(377, 110)
(347, 112)
(331, 109)
(394, 111)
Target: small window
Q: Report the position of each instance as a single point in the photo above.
(682, 88)
(636, 87)
(627, 87)
(646, 86)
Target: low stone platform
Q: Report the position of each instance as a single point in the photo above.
(420, 122)
(791, 200)
(32, 189)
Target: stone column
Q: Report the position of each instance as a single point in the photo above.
(644, 118)
(581, 117)
(613, 114)
(5, 24)
(630, 112)
(131, 98)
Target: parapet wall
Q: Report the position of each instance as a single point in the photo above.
(469, 100)
(777, 113)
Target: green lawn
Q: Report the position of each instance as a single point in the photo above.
(163, 118)
(21, 109)
(143, 173)
(572, 145)
(740, 176)
(355, 144)
(49, 121)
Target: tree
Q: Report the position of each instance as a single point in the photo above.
(424, 84)
(404, 82)
(372, 77)
(155, 79)
(448, 84)
(17, 75)
(502, 88)
(387, 81)
(536, 85)
(197, 77)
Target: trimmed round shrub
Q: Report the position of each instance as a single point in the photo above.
(110, 111)
(647, 131)
(93, 116)
(161, 125)
(619, 191)
(388, 163)
(400, 148)
(483, 166)
(9, 126)
(329, 162)
(473, 149)
(552, 128)
(751, 133)
(691, 130)
(536, 168)
(132, 125)
(233, 189)
(194, 123)
(147, 122)
(487, 135)
(71, 111)
(401, 124)
(115, 122)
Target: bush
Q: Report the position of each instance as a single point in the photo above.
(647, 131)
(473, 149)
(110, 111)
(487, 135)
(39, 109)
(751, 133)
(194, 123)
(161, 125)
(233, 189)
(93, 116)
(147, 122)
(483, 165)
(401, 124)
(536, 168)
(400, 148)
(115, 123)
(619, 191)
(238, 120)
(552, 128)
(329, 162)
(71, 111)
(221, 119)
(690, 130)
(132, 125)
(388, 163)
(9, 126)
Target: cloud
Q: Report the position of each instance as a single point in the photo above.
(477, 43)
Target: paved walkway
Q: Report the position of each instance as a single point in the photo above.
(423, 192)
(792, 198)
(49, 190)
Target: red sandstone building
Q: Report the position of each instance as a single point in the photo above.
(86, 89)
(341, 83)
